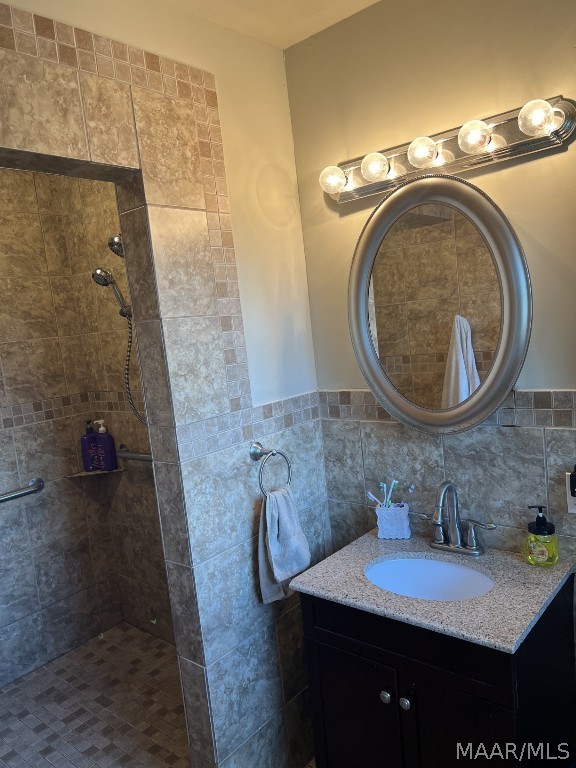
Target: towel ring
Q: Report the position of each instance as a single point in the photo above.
(257, 452)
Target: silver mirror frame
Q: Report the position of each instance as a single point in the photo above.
(516, 299)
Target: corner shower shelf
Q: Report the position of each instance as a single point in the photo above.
(96, 473)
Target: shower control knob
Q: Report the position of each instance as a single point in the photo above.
(405, 703)
(385, 697)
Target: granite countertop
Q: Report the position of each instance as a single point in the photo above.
(500, 619)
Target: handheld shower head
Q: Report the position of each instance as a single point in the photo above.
(116, 246)
(105, 278)
(102, 277)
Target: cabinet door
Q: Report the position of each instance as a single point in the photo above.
(359, 727)
(444, 717)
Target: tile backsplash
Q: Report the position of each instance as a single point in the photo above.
(555, 408)
(516, 458)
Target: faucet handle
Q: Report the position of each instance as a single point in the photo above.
(439, 536)
(471, 541)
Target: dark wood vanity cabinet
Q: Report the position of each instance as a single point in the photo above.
(386, 694)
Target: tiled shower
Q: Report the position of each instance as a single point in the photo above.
(85, 554)
(75, 564)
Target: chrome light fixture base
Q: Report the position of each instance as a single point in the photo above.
(508, 143)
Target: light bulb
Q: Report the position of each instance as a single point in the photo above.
(396, 169)
(474, 137)
(496, 142)
(536, 118)
(332, 179)
(375, 166)
(558, 119)
(444, 157)
(422, 152)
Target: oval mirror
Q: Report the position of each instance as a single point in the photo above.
(440, 304)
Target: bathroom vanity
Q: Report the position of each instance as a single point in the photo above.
(400, 682)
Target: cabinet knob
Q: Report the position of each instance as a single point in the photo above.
(385, 697)
(405, 703)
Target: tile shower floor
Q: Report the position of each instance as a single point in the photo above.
(114, 701)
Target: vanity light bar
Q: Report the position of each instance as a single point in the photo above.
(538, 126)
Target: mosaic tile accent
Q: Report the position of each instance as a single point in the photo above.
(555, 408)
(44, 38)
(224, 260)
(58, 407)
(193, 439)
(115, 701)
(254, 423)
(351, 404)
(117, 401)
(432, 363)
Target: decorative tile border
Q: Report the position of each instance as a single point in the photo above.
(44, 38)
(522, 409)
(553, 408)
(193, 439)
(351, 404)
(431, 363)
(254, 423)
(69, 405)
(117, 401)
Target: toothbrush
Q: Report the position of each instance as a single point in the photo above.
(383, 487)
(393, 485)
(373, 498)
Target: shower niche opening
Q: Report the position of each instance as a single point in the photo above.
(82, 571)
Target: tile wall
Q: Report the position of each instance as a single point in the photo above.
(257, 646)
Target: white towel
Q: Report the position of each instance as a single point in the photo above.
(461, 377)
(283, 550)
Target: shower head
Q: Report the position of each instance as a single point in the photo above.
(116, 246)
(102, 277)
(105, 278)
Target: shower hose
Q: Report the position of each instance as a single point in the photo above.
(127, 373)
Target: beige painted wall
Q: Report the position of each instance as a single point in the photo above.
(396, 71)
(259, 158)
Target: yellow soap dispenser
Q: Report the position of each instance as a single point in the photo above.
(542, 542)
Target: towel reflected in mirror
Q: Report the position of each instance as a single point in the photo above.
(461, 376)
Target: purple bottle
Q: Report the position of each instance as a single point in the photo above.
(89, 446)
(106, 448)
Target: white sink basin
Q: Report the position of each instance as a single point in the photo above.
(428, 579)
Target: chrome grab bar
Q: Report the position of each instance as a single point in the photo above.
(133, 456)
(123, 452)
(34, 486)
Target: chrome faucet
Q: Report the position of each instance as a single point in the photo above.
(452, 524)
(448, 530)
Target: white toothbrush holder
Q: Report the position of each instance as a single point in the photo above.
(393, 521)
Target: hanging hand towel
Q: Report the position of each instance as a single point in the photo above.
(461, 377)
(283, 550)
